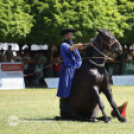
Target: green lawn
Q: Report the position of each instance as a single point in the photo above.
(36, 108)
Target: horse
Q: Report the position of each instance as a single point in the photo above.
(92, 79)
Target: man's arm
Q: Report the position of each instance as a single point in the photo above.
(78, 46)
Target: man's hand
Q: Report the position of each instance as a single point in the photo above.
(78, 46)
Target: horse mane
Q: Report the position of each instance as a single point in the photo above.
(89, 49)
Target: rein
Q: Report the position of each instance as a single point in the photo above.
(105, 56)
(61, 62)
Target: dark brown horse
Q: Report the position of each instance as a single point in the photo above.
(92, 79)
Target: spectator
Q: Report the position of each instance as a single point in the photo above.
(125, 51)
(41, 62)
(33, 68)
(2, 56)
(9, 54)
(51, 66)
(129, 55)
(58, 60)
(26, 62)
(18, 58)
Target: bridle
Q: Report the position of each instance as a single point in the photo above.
(105, 56)
(109, 45)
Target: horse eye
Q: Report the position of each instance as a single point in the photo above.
(106, 37)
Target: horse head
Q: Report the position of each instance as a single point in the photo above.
(109, 44)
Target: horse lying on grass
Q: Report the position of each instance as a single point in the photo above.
(92, 79)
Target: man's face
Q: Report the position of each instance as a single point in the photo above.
(18, 53)
(36, 55)
(69, 36)
(40, 54)
(9, 48)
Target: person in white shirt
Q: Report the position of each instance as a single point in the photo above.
(17, 58)
(129, 55)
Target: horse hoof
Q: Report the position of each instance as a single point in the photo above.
(124, 120)
(108, 121)
(93, 120)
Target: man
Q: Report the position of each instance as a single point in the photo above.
(41, 62)
(26, 62)
(9, 54)
(33, 67)
(2, 56)
(18, 57)
(72, 61)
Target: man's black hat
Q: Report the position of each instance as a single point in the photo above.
(65, 31)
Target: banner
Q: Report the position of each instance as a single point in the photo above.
(128, 68)
(123, 80)
(52, 82)
(11, 76)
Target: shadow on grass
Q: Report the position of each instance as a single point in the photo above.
(57, 118)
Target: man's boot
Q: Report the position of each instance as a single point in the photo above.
(64, 103)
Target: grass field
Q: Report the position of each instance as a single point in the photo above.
(36, 109)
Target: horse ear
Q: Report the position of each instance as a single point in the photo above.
(103, 29)
(99, 30)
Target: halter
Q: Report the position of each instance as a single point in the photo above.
(109, 45)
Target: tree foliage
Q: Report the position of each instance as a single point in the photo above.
(15, 20)
(41, 21)
(52, 16)
(126, 9)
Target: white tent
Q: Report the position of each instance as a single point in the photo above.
(15, 46)
(25, 47)
(3, 46)
(43, 47)
(35, 47)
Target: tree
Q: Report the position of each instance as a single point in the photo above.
(41, 21)
(126, 9)
(15, 20)
(52, 16)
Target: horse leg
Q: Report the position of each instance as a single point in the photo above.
(67, 112)
(95, 111)
(70, 114)
(108, 93)
(95, 91)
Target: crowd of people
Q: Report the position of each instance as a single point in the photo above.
(33, 63)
